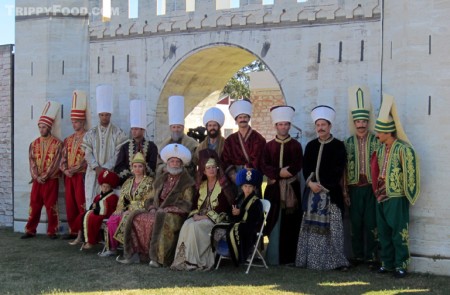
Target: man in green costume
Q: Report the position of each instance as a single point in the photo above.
(396, 182)
(359, 195)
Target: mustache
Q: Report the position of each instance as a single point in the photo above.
(321, 130)
(361, 128)
(243, 121)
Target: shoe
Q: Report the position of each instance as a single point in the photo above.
(400, 273)
(69, 237)
(76, 242)
(154, 264)
(383, 270)
(27, 236)
(87, 246)
(108, 253)
(52, 237)
(131, 260)
(373, 265)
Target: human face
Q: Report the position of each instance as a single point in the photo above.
(247, 189)
(210, 171)
(137, 133)
(283, 129)
(77, 125)
(361, 127)
(176, 131)
(105, 187)
(44, 130)
(212, 129)
(383, 137)
(138, 169)
(242, 120)
(174, 163)
(105, 118)
(323, 129)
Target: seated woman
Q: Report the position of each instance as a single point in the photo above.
(152, 233)
(211, 204)
(135, 191)
(102, 207)
(246, 220)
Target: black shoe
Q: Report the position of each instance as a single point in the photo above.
(356, 261)
(27, 236)
(383, 270)
(373, 265)
(69, 237)
(400, 273)
(52, 237)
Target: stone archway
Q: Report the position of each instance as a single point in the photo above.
(199, 74)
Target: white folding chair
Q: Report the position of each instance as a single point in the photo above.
(266, 208)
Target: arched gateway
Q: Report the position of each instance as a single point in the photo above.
(314, 49)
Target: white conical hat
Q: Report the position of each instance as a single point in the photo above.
(214, 114)
(176, 110)
(282, 114)
(175, 150)
(49, 113)
(323, 112)
(104, 97)
(239, 107)
(79, 105)
(138, 113)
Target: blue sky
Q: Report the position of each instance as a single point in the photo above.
(6, 22)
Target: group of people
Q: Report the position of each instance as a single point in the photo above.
(176, 206)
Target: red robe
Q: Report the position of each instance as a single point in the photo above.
(92, 221)
(290, 219)
(233, 154)
(44, 157)
(73, 159)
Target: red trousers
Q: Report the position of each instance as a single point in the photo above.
(43, 195)
(75, 202)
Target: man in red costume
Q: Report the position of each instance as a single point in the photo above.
(73, 164)
(244, 148)
(44, 156)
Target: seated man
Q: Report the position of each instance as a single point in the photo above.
(152, 233)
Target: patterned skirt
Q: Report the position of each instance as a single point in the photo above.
(319, 250)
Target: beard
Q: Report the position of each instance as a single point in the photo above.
(176, 136)
(213, 133)
(174, 171)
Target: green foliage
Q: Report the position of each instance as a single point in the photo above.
(238, 86)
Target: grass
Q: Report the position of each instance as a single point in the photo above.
(44, 266)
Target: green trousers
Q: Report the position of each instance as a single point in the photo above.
(392, 223)
(364, 223)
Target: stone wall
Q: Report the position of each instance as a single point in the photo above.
(6, 108)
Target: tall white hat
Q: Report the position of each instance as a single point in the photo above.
(282, 114)
(138, 113)
(239, 107)
(323, 112)
(214, 114)
(176, 110)
(49, 113)
(104, 97)
(175, 150)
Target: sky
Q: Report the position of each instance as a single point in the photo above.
(7, 26)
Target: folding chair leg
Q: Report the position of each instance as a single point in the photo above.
(218, 262)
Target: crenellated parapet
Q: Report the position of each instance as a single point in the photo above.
(205, 16)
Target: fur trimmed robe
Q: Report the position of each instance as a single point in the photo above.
(166, 224)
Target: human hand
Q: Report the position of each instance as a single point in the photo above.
(315, 186)
(68, 173)
(235, 211)
(284, 173)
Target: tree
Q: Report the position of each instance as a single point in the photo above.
(238, 86)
